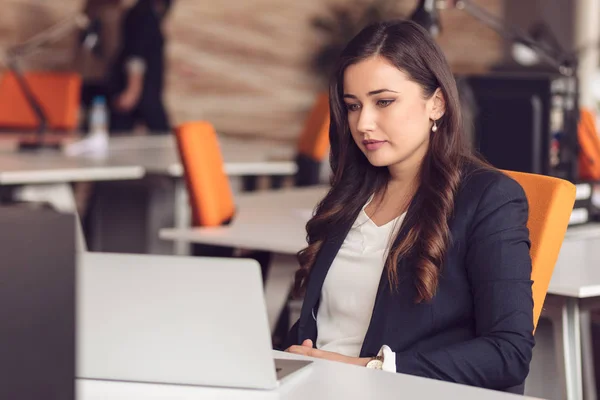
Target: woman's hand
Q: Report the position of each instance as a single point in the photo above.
(306, 349)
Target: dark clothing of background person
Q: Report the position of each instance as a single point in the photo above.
(143, 46)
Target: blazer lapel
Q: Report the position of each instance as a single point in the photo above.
(373, 337)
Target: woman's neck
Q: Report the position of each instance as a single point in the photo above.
(392, 201)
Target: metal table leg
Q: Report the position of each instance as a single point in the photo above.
(182, 216)
(565, 315)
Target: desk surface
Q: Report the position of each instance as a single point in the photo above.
(53, 167)
(577, 271)
(130, 157)
(275, 221)
(270, 221)
(158, 155)
(322, 380)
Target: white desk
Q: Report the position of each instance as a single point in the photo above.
(53, 167)
(324, 380)
(45, 176)
(276, 222)
(130, 157)
(270, 220)
(242, 156)
(139, 154)
(158, 155)
(574, 291)
(48, 173)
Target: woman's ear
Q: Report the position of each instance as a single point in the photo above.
(438, 108)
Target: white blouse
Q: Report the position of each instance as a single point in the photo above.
(349, 290)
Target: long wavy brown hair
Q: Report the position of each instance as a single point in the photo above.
(412, 50)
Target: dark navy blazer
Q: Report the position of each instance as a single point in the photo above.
(478, 329)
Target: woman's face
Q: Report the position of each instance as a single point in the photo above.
(389, 117)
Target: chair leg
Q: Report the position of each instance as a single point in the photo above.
(277, 181)
(250, 183)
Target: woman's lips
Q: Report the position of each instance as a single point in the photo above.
(372, 145)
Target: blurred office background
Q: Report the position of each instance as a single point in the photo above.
(246, 66)
(255, 69)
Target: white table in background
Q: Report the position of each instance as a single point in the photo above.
(51, 167)
(242, 156)
(276, 222)
(159, 157)
(574, 291)
(134, 157)
(156, 154)
(46, 176)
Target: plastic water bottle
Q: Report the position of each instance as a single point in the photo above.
(96, 143)
(98, 117)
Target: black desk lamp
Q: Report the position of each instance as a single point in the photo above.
(427, 15)
(564, 63)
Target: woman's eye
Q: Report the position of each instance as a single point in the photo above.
(384, 103)
(352, 107)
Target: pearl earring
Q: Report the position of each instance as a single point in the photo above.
(434, 128)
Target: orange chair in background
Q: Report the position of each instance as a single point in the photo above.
(313, 143)
(58, 93)
(210, 195)
(551, 202)
(589, 146)
(311, 148)
(211, 198)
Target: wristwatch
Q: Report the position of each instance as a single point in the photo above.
(375, 363)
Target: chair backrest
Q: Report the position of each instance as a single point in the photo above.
(313, 143)
(211, 198)
(58, 94)
(589, 146)
(314, 139)
(551, 202)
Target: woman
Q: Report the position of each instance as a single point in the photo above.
(138, 73)
(418, 257)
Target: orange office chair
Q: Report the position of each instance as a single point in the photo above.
(209, 191)
(58, 94)
(311, 148)
(551, 202)
(314, 139)
(313, 143)
(211, 198)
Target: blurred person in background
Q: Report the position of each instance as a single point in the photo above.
(137, 75)
(96, 50)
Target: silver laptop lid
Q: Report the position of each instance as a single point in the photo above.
(178, 320)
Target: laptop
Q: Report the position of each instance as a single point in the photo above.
(176, 320)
